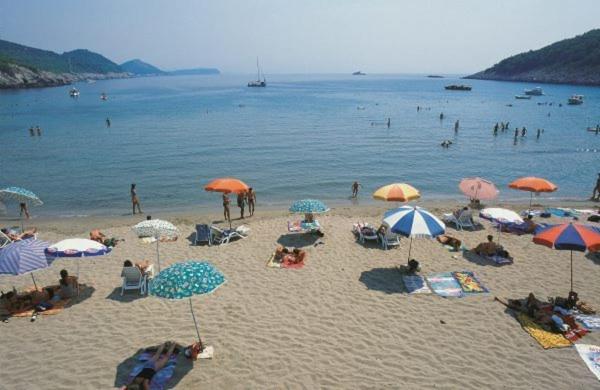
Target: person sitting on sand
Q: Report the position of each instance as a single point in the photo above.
(151, 367)
(69, 286)
(455, 243)
(489, 248)
(30, 233)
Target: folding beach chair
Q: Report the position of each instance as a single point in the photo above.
(133, 279)
(225, 235)
(203, 234)
(4, 240)
(389, 239)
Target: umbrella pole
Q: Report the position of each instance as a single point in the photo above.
(571, 270)
(410, 248)
(530, 202)
(196, 324)
(34, 284)
(157, 255)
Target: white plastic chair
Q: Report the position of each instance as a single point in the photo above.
(464, 220)
(389, 239)
(4, 240)
(133, 279)
(224, 236)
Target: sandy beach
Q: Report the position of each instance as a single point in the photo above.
(343, 321)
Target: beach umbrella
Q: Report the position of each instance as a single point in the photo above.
(478, 188)
(410, 221)
(227, 185)
(185, 279)
(500, 216)
(571, 237)
(20, 195)
(77, 247)
(25, 256)
(533, 184)
(397, 192)
(308, 206)
(158, 229)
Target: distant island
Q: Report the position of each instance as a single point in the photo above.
(27, 67)
(570, 61)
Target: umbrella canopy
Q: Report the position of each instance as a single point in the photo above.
(227, 185)
(24, 256)
(413, 222)
(569, 236)
(156, 228)
(500, 215)
(20, 195)
(182, 280)
(533, 184)
(397, 192)
(77, 247)
(308, 206)
(478, 188)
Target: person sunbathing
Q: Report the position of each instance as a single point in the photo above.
(15, 303)
(455, 243)
(30, 233)
(489, 248)
(529, 225)
(141, 265)
(98, 236)
(151, 367)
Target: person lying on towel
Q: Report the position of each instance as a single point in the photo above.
(455, 243)
(295, 256)
(29, 233)
(490, 248)
(16, 303)
(98, 236)
(152, 367)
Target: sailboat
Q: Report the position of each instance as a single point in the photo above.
(258, 82)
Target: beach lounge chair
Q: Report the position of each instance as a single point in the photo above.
(203, 234)
(4, 240)
(464, 220)
(133, 279)
(303, 227)
(223, 236)
(365, 232)
(389, 239)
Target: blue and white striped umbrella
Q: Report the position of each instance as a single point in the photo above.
(308, 206)
(20, 195)
(77, 247)
(24, 256)
(410, 221)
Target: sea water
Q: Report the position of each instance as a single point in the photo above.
(301, 136)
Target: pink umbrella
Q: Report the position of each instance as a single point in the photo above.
(478, 188)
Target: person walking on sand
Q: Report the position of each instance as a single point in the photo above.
(595, 194)
(135, 200)
(23, 210)
(241, 202)
(226, 214)
(251, 197)
(355, 187)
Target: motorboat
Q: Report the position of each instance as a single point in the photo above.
(456, 87)
(537, 91)
(358, 73)
(526, 97)
(258, 82)
(74, 92)
(576, 100)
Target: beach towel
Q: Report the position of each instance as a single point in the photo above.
(162, 376)
(545, 338)
(444, 284)
(588, 321)
(469, 283)
(499, 259)
(591, 356)
(272, 263)
(415, 284)
(562, 212)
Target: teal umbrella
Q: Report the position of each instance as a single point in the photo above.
(183, 280)
(308, 206)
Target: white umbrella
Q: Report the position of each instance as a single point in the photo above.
(158, 229)
(77, 247)
(20, 195)
(500, 216)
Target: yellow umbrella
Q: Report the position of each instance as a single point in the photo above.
(397, 192)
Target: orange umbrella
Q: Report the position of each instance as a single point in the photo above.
(227, 185)
(533, 184)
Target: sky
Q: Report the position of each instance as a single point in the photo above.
(300, 36)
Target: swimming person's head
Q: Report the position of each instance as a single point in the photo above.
(127, 263)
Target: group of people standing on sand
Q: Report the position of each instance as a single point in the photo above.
(35, 131)
(243, 199)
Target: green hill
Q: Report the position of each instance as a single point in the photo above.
(140, 68)
(76, 61)
(570, 61)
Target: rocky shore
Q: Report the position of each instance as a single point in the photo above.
(15, 76)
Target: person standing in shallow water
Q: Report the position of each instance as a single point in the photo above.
(226, 214)
(251, 196)
(355, 187)
(134, 199)
(456, 125)
(23, 210)
(107, 122)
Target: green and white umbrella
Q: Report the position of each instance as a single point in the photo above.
(20, 195)
(158, 229)
(185, 279)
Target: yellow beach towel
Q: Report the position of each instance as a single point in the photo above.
(546, 339)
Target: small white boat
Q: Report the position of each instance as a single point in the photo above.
(576, 100)
(525, 97)
(74, 92)
(537, 91)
